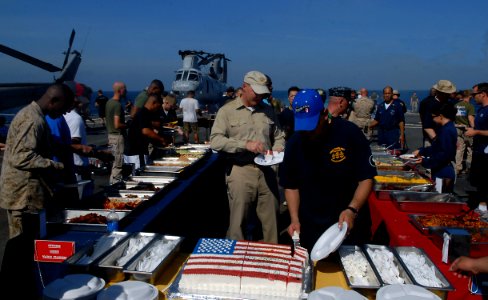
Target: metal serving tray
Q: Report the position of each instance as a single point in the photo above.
(151, 179)
(130, 194)
(88, 255)
(371, 276)
(69, 214)
(175, 293)
(108, 264)
(401, 270)
(124, 204)
(445, 285)
(427, 202)
(414, 218)
(131, 266)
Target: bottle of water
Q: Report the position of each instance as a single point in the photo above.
(112, 221)
(482, 210)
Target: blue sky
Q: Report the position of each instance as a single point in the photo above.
(406, 44)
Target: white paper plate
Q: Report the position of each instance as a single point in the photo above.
(74, 286)
(277, 158)
(129, 290)
(407, 156)
(404, 292)
(335, 293)
(329, 241)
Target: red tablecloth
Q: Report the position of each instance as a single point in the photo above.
(403, 233)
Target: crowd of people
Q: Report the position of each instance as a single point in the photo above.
(326, 174)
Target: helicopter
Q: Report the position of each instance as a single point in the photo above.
(19, 94)
(205, 74)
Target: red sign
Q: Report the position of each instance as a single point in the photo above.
(53, 251)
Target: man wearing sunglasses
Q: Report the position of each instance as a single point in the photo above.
(479, 163)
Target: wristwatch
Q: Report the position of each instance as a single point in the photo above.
(355, 211)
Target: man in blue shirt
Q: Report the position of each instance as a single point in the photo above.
(479, 164)
(390, 121)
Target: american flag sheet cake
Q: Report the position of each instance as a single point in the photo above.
(247, 269)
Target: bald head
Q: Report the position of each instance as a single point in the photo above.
(57, 100)
(119, 89)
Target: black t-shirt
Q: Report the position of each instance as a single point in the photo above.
(136, 142)
(326, 178)
(101, 101)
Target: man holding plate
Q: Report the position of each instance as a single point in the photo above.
(243, 129)
(326, 171)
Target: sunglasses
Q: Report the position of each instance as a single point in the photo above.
(474, 94)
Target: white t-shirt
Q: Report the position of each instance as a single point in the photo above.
(77, 130)
(189, 107)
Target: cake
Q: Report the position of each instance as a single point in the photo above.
(245, 269)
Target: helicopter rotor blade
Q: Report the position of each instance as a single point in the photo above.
(71, 39)
(29, 59)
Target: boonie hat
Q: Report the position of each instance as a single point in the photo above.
(445, 86)
(307, 107)
(258, 82)
(396, 92)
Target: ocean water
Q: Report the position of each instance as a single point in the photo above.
(280, 94)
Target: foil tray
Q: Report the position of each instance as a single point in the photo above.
(68, 214)
(174, 293)
(372, 275)
(445, 284)
(150, 276)
(134, 194)
(107, 264)
(396, 261)
(86, 257)
(427, 202)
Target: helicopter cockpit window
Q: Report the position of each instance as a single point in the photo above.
(179, 75)
(193, 76)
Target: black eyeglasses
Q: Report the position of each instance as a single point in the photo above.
(474, 94)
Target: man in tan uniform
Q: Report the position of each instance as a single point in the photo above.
(244, 128)
(361, 113)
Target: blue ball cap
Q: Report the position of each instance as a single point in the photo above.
(307, 107)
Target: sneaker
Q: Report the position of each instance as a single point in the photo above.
(284, 203)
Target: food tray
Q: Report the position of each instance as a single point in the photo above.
(427, 202)
(130, 194)
(151, 179)
(88, 255)
(122, 204)
(379, 266)
(370, 273)
(414, 270)
(107, 264)
(150, 277)
(442, 221)
(174, 292)
(68, 214)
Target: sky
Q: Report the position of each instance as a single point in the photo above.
(309, 43)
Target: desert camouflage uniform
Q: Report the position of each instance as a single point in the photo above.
(361, 115)
(25, 166)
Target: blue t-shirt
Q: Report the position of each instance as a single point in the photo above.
(480, 123)
(61, 138)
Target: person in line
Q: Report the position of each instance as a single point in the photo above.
(286, 118)
(244, 128)
(100, 103)
(191, 109)
(464, 264)
(362, 110)
(396, 97)
(440, 156)
(414, 103)
(141, 132)
(115, 124)
(27, 160)
(390, 120)
(169, 119)
(464, 119)
(326, 172)
(479, 164)
(155, 87)
(439, 94)
(229, 95)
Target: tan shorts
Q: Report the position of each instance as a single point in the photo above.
(190, 127)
